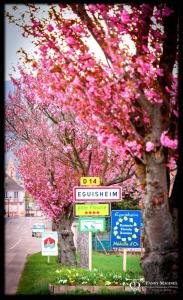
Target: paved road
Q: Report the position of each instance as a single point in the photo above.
(18, 244)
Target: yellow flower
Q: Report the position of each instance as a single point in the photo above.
(71, 281)
(107, 283)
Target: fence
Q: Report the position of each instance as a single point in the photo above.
(102, 243)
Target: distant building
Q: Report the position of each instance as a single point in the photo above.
(14, 192)
(11, 169)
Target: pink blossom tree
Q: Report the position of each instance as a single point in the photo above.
(128, 100)
(54, 151)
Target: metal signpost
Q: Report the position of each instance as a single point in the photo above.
(91, 225)
(94, 199)
(92, 210)
(125, 230)
(49, 244)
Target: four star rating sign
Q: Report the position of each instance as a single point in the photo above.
(125, 229)
(92, 209)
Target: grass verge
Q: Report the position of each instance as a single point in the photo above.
(38, 273)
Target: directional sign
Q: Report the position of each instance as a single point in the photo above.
(50, 243)
(91, 224)
(125, 228)
(92, 209)
(90, 180)
(98, 194)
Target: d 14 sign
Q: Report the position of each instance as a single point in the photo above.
(125, 228)
(90, 181)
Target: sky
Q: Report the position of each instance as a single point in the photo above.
(14, 41)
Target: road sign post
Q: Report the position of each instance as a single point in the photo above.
(125, 230)
(90, 196)
(90, 250)
(124, 260)
(49, 244)
(91, 225)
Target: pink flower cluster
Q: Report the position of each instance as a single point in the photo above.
(167, 142)
(50, 28)
(149, 146)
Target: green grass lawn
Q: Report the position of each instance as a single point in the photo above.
(114, 262)
(38, 273)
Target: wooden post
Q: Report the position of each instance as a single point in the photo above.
(124, 260)
(90, 250)
(48, 259)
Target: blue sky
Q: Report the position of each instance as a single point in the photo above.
(13, 42)
(8, 87)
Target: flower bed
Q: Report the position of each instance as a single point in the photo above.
(71, 279)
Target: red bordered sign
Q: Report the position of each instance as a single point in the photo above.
(97, 194)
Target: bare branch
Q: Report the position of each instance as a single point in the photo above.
(119, 179)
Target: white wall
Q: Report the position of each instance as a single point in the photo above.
(19, 208)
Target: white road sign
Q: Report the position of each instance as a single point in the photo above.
(50, 243)
(91, 224)
(97, 194)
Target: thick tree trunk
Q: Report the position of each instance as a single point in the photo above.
(82, 241)
(160, 261)
(66, 247)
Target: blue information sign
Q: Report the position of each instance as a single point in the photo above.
(125, 228)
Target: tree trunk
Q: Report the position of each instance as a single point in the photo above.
(83, 245)
(160, 261)
(66, 247)
(173, 200)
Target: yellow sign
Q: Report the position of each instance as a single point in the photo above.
(90, 181)
(92, 209)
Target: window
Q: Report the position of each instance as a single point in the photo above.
(16, 195)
